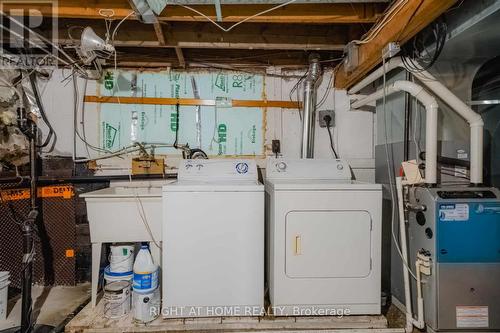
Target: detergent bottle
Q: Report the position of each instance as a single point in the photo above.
(145, 271)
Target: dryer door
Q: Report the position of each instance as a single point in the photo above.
(328, 244)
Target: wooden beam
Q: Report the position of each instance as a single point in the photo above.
(159, 34)
(180, 56)
(411, 18)
(254, 36)
(293, 13)
(189, 101)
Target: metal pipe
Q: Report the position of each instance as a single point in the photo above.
(309, 114)
(27, 230)
(473, 118)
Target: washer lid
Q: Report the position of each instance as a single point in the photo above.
(319, 185)
(214, 186)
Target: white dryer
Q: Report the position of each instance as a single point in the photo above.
(323, 244)
(213, 245)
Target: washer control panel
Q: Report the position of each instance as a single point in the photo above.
(217, 169)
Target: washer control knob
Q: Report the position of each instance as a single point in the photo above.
(281, 166)
(340, 166)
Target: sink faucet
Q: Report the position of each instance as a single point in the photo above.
(144, 152)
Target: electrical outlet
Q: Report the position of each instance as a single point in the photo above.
(276, 147)
(322, 114)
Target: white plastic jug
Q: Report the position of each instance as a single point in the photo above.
(145, 271)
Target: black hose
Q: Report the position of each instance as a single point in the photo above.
(52, 133)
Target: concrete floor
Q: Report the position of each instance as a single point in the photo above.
(52, 306)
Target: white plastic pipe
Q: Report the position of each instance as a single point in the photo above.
(474, 119)
(419, 322)
(431, 120)
(404, 253)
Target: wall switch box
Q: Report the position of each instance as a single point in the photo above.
(390, 50)
(321, 117)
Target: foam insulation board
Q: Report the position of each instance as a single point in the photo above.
(230, 131)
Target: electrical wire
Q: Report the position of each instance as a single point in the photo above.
(390, 173)
(13, 33)
(416, 56)
(295, 88)
(327, 92)
(72, 61)
(328, 125)
(119, 24)
(52, 133)
(132, 149)
(142, 212)
(82, 136)
(237, 23)
(390, 13)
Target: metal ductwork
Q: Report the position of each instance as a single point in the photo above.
(309, 106)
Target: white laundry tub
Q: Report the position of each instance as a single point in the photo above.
(124, 212)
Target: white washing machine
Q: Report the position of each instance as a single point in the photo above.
(323, 244)
(213, 245)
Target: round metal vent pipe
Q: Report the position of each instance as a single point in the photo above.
(309, 106)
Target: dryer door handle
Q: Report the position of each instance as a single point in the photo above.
(298, 245)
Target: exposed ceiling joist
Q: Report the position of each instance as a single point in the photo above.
(142, 9)
(251, 37)
(411, 18)
(260, 2)
(322, 13)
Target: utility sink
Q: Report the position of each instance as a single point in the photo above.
(126, 211)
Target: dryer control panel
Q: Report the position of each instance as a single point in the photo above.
(283, 168)
(217, 169)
